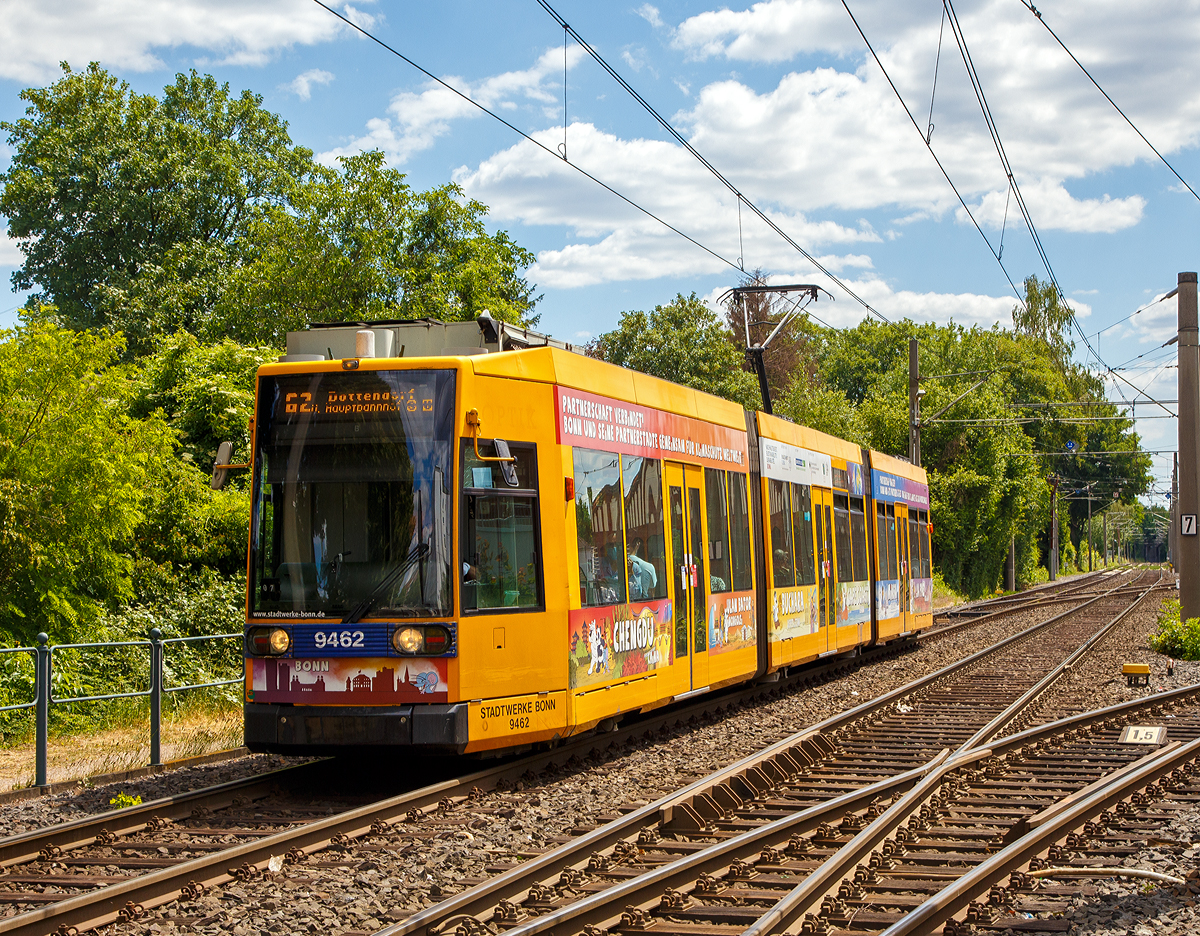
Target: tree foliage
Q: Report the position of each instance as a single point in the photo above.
(683, 341)
(195, 212)
(107, 186)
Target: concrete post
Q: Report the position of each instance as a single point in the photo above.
(914, 404)
(1173, 530)
(42, 712)
(1053, 528)
(1010, 567)
(1189, 452)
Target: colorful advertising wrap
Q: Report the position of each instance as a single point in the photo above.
(358, 681)
(618, 641)
(794, 612)
(887, 599)
(598, 422)
(853, 603)
(888, 487)
(785, 462)
(921, 596)
(731, 622)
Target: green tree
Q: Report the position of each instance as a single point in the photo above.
(107, 186)
(360, 244)
(205, 392)
(74, 468)
(683, 341)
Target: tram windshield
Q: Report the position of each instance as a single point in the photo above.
(352, 494)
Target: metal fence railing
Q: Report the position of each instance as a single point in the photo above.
(44, 697)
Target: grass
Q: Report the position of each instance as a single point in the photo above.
(193, 727)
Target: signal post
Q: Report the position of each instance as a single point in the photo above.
(1188, 563)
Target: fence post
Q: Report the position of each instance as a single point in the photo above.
(156, 683)
(41, 686)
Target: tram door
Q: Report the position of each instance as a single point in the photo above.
(686, 505)
(822, 506)
(905, 567)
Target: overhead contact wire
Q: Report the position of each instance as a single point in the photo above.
(993, 130)
(929, 146)
(521, 133)
(1036, 12)
(679, 138)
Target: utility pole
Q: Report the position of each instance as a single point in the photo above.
(1089, 490)
(1173, 530)
(914, 404)
(1189, 450)
(1010, 567)
(1106, 536)
(1053, 479)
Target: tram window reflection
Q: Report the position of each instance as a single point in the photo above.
(645, 540)
(841, 536)
(782, 566)
(858, 536)
(601, 546)
(802, 526)
(739, 532)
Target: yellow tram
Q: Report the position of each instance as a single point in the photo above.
(478, 539)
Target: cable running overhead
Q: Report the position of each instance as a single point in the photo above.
(679, 138)
(1036, 12)
(558, 156)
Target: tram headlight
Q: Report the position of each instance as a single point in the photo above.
(408, 639)
(280, 640)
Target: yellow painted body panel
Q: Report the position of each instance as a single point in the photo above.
(512, 667)
(499, 723)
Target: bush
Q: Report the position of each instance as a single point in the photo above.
(1176, 638)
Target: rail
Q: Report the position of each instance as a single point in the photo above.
(44, 697)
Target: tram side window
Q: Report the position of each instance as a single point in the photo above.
(598, 523)
(806, 568)
(885, 545)
(893, 543)
(841, 536)
(923, 533)
(647, 558)
(501, 557)
(782, 568)
(718, 530)
(914, 547)
(739, 533)
(858, 535)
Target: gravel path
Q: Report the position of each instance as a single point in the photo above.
(1097, 681)
(1125, 906)
(25, 815)
(379, 880)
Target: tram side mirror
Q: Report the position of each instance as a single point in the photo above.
(220, 473)
(507, 468)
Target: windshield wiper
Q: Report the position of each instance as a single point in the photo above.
(360, 610)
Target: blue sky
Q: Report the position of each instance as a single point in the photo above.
(780, 95)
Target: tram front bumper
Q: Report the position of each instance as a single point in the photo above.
(306, 729)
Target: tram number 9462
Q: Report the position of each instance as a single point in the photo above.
(344, 638)
(515, 723)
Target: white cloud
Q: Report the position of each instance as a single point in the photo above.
(10, 252)
(615, 241)
(774, 31)
(651, 15)
(301, 85)
(1054, 208)
(418, 119)
(38, 34)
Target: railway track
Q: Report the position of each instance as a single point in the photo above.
(815, 786)
(187, 844)
(1040, 595)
